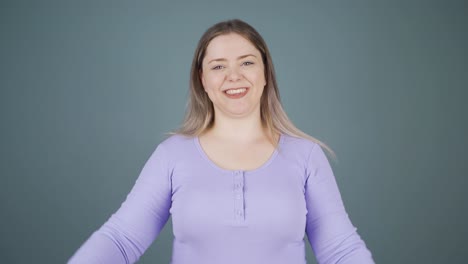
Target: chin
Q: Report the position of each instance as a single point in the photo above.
(241, 112)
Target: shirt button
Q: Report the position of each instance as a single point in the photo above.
(238, 196)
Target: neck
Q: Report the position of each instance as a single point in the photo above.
(245, 129)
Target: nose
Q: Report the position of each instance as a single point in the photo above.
(233, 74)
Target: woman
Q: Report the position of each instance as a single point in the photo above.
(242, 184)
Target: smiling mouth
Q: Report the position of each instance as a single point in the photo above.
(236, 93)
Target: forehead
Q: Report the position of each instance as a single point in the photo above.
(230, 45)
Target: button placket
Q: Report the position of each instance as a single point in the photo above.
(238, 194)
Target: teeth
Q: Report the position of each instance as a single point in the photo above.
(236, 91)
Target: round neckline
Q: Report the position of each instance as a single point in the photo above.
(202, 152)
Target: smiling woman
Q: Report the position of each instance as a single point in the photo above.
(241, 182)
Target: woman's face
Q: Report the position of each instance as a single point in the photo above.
(233, 76)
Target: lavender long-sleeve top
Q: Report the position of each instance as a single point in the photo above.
(221, 216)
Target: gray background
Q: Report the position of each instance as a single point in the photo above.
(88, 90)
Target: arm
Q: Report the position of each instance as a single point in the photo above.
(331, 234)
(131, 230)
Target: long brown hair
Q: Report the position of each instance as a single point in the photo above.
(199, 114)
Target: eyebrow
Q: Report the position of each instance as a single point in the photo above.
(238, 58)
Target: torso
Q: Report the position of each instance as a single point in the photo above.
(237, 155)
(252, 211)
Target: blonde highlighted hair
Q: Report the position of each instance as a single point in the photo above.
(199, 114)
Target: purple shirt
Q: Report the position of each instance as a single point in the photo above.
(221, 216)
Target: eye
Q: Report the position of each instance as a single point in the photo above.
(247, 63)
(217, 67)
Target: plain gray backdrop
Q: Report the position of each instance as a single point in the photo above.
(89, 88)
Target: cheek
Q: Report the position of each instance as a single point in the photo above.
(212, 82)
(263, 80)
(257, 77)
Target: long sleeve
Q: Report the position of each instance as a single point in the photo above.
(331, 234)
(135, 225)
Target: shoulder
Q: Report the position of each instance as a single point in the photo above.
(304, 150)
(311, 155)
(295, 150)
(301, 146)
(172, 149)
(176, 143)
